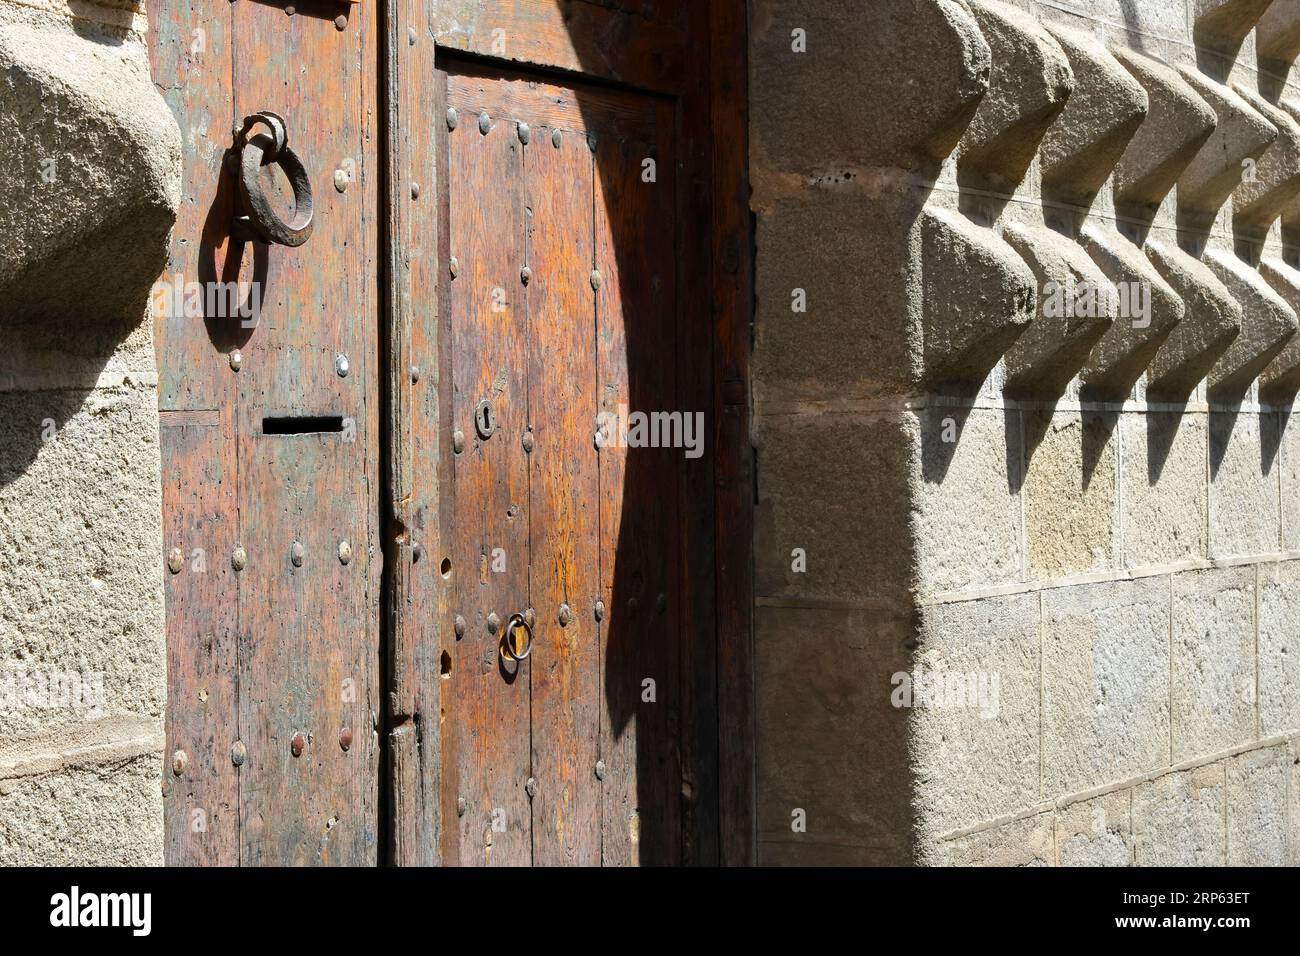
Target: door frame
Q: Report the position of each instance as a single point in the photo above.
(598, 44)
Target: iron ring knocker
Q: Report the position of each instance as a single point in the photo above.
(256, 151)
(509, 648)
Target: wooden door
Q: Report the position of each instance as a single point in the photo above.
(562, 307)
(269, 425)
(403, 444)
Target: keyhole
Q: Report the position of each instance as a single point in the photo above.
(485, 420)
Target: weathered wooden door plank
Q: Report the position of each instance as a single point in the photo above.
(488, 723)
(563, 490)
(639, 513)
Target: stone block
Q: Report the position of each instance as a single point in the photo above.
(966, 521)
(1076, 307)
(1223, 24)
(974, 711)
(1164, 488)
(1277, 36)
(1241, 134)
(1267, 325)
(1070, 492)
(1030, 83)
(1212, 685)
(856, 55)
(1257, 807)
(1178, 819)
(1274, 181)
(1150, 311)
(90, 235)
(1288, 428)
(82, 572)
(1177, 125)
(1100, 117)
(1024, 842)
(821, 678)
(977, 299)
(1211, 323)
(1281, 378)
(1279, 648)
(1097, 832)
(843, 258)
(848, 521)
(1105, 682)
(109, 815)
(1245, 510)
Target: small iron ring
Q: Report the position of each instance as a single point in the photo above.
(256, 152)
(509, 649)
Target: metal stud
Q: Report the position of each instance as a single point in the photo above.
(484, 123)
(345, 739)
(297, 745)
(453, 266)
(180, 760)
(600, 770)
(493, 623)
(530, 787)
(595, 279)
(525, 275)
(345, 552)
(296, 553)
(591, 142)
(236, 360)
(175, 560)
(341, 365)
(290, 11)
(527, 442)
(461, 806)
(340, 22)
(410, 36)
(239, 559)
(661, 603)
(415, 190)
(566, 615)
(341, 180)
(556, 138)
(238, 753)
(453, 118)
(530, 617)
(417, 552)
(458, 441)
(525, 134)
(633, 605)
(599, 610)
(415, 374)
(459, 627)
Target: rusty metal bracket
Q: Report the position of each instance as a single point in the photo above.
(258, 150)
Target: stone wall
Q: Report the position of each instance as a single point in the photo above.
(1089, 517)
(89, 185)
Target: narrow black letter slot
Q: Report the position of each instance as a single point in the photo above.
(302, 424)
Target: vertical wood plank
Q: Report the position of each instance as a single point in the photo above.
(190, 57)
(640, 524)
(488, 705)
(201, 824)
(695, 392)
(411, 117)
(732, 308)
(563, 494)
(309, 633)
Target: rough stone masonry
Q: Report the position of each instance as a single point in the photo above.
(1099, 505)
(89, 185)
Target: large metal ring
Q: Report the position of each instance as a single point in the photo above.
(254, 153)
(509, 648)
